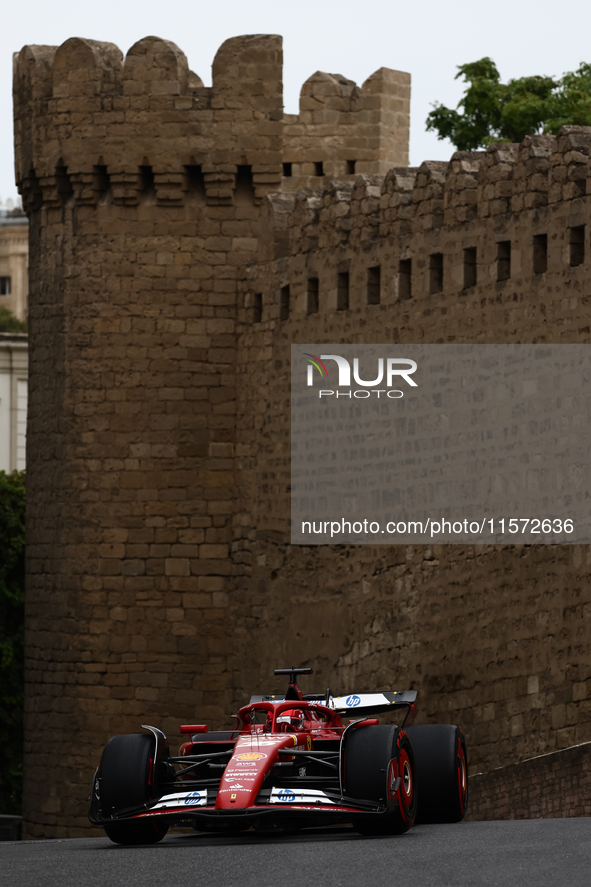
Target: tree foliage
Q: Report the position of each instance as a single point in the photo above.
(11, 324)
(12, 606)
(491, 111)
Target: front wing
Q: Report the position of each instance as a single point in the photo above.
(301, 805)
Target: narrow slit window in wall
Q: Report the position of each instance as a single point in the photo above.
(284, 302)
(342, 291)
(470, 267)
(577, 245)
(257, 307)
(405, 279)
(313, 291)
(5, 286)
(64, 185)
(503, 259)
(287, 170)
(244, 183)
(435, 273)
(102, 180)
(319, 168)
(147, 184)
(195, 179)
(350, 167)
(540, 253)
(374, 285)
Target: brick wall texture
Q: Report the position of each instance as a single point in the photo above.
(173, 230)
(550, 786)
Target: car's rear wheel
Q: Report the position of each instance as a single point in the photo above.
(125, 774)
(442, 767)
(379, 766)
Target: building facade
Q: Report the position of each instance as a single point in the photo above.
(13, 400)
(174, 232)
(14, 252)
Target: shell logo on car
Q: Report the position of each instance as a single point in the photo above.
(250, 756)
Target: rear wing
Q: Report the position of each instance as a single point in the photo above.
(355, 704)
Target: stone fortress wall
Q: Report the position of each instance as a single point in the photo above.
(494, 248)
(178, 248)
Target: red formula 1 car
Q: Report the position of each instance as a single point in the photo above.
(290, 762)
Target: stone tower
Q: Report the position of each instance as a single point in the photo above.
(145, 192)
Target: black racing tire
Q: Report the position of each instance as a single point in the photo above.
(136, 832)
(126, 782)
(374, 757)
(442, 767)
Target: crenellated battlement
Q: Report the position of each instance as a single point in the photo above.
(503, 181)
(83, 107)
(515, 212)
(343, 130)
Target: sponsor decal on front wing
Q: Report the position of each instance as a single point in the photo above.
(182, 799)
(299, 796)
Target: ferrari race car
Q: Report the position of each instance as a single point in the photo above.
(290, 762)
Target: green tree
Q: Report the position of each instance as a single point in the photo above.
(11, 324)
(12, 607)
(491, 111)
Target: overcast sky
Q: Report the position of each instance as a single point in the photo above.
(349, 37)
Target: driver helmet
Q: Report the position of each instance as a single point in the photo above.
(291, 720)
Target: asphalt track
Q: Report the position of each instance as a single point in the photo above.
(528, 853)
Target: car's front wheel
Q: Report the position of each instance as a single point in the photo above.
(125, 779)
(379, 766)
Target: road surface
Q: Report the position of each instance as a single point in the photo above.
(528, 853)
